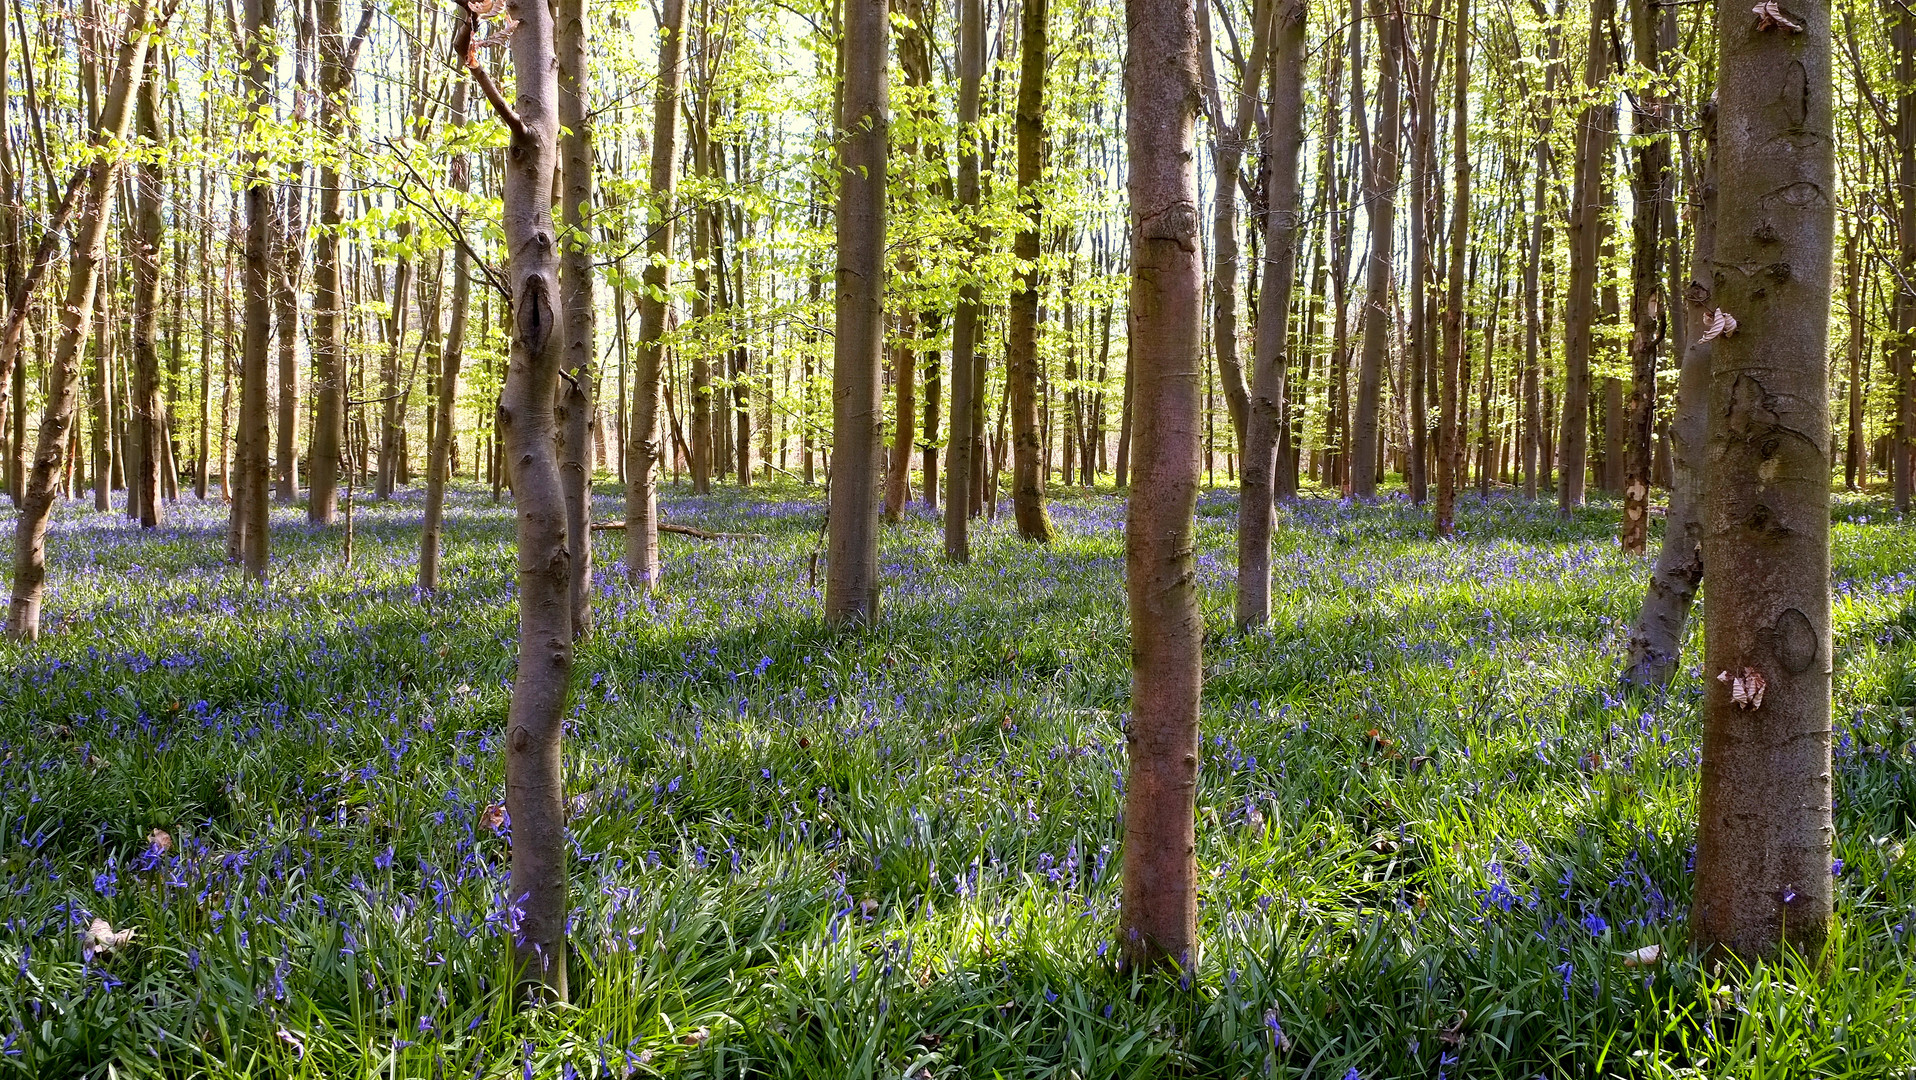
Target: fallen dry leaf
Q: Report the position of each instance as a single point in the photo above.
(160, 841)
(1746, 690)
(493, 817)
(1722, 324)
(1770, 16)
(101, 938)
(1644, 957)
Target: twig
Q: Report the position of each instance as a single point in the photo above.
(681, 530)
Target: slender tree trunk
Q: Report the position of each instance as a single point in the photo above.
(149, 234)
(291, 255)
(535, 777)
(20, 302)
(701, 391)
(1647, 301)
(1853, 455)
(1656, 641)
(1229, 136)
(248, 521)
(1283, 143)
(1450, 432)
(580, 344)
(1159, 913)
(1902, 36)
(1380, 194)
(904, 377)
(960, 451)
(1417, 346)
(643, 449)
(392, 390)
(851, 585)
(1594, 129)
(1764, 829)
(76, 321)
(439, 463)
(1536, 439)
(1021, 354)
(337, 56)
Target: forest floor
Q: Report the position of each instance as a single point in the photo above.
(1430, 826)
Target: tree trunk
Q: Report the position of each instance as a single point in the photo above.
(579, 347)
(643, 450)
(439, 461)
(248, 521)
(1417, 346)
(1656, 640)
(1450, 432)
(1021, 353)
(858, 346)
(1764, 829)
(290, 255)
(904, 377)
(1159, 912)
(392, 391)
(149, 233)
(1594, 129)
(535, 779)
(337, 55)
(76, 320)
(1380, 195)
(1283, 143)
(959, 452)
(1647, 301)
(1229, 135)
(1853, 454)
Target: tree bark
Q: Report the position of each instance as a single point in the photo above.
(643, 448)
(1647, 301)
(851, 585)
(1159, 913)
(960, 451)
(1764, 828)
(1283, 143)
(1450, 434)
(580, 344)
(247, 526)
(337, 56)
(439, 461)
(149, 233)
(535, 779)
(291, 252)
(1656, 640)
(1021, 351)
(76, 321)
(1380, 195)
(1228, 139)
(1594, 128)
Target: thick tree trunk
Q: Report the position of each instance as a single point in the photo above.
(1764, 829)
(1594, 129)
(1021, 352)
(1283, 143)
(1656, 641)
(439, 462)
(248, 521)
(965, 392)
(643, 448)
(148, 234)
(535, 776)
(1380, 195)
(580, 345)
(1450, 433)
(858, 346)
(76, 321)
(1159, 913)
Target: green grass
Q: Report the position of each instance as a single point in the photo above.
(1429, 826)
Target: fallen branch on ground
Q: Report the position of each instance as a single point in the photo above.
(681, 530)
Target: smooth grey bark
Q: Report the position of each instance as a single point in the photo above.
(580, 333)
(1283, 144)
(1381, 168)
(1656, 640)
(1764, 824)
(960, 450)
(535, 775)
(644, 450)
(858, 345)
(439, 459)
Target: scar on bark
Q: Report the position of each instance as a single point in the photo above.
(1176, 222)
